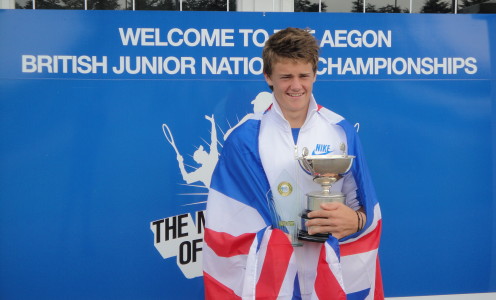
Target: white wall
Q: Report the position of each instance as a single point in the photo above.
(266, 5)
(7, 4)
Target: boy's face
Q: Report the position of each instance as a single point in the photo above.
(292, 83)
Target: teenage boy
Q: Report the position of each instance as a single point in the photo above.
(245, 254)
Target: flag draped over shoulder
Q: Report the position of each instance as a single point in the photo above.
(245, 258)
(359, 251)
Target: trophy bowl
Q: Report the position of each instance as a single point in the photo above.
(325, 165)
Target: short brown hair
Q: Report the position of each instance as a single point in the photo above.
(290, 43)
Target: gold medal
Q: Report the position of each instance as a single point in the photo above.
(284, 188)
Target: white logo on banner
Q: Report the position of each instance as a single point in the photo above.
(207, 160)
(181, 236)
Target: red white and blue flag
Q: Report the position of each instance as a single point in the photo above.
(246, 257)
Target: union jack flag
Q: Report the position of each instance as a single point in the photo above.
(245, 257)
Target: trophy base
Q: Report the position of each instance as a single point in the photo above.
(316, 238)
(303, 234)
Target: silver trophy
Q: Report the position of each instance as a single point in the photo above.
(326, 170)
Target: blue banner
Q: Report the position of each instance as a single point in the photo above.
(112, 121)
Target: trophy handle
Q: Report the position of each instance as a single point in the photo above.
(306, 165)
(304, 162)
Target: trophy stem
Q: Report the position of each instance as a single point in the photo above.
(326, 189)
(326, 183)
